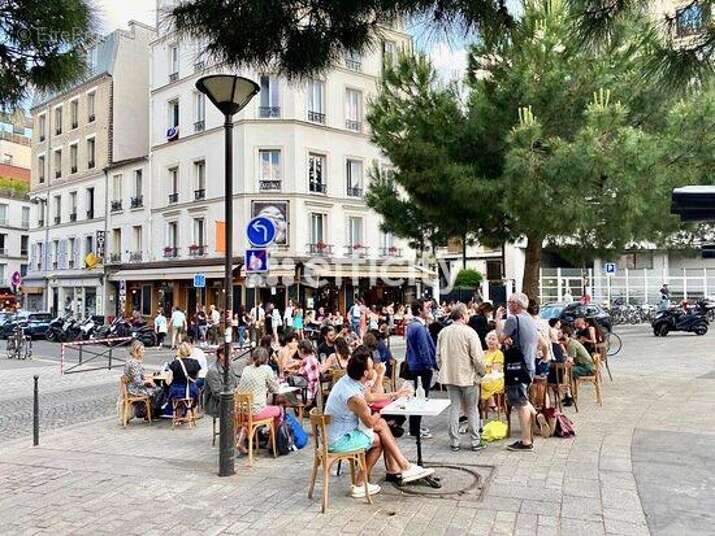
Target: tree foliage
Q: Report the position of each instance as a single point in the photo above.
(468, 278)
(43, 46)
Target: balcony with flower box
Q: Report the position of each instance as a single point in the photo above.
(354, 191)
(135, 256)
(197, 250)
(391, 251)
(171, 252)
(174, 198)
(316, 117)
(136, 201)
(356, 251)
(116, 206)
(269, 185)
(320, 248)
(199, 194)
(115, 258)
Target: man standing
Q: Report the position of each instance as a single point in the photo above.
(257, 316)
(178, 327)
(460, 364)
(521, 330)
(355, 315)
(420, 355)
(214, 323)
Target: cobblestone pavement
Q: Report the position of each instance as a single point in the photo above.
(96, 478)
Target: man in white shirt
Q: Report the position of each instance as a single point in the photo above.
(198, 354)
(178, 327)
(214, 322)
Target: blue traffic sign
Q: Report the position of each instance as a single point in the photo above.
(610, 268)
(256, 261)
(199, 280)
(261, 231)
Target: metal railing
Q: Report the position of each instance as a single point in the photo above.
(199, 126)
(135, 256)
(356, 250)
(318, 187)
(73, 216)
(353, 65)
(170, 252)
(320, 248)
(174, 197)
(269, 111)
(269, 185)
(115, 258)
(136, 202)
(316, 117)
(86, 354)
(354, 191)
(173, 77)
(197, 250)
(390, 252)
(351, 124)
(200, 194)
(116, 206)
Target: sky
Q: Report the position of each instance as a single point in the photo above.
(449, 58)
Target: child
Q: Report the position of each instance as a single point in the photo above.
(298, 322)
(493, 381)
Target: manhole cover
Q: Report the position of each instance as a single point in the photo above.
(458, 482)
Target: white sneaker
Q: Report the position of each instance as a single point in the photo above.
(415, 472)
(358, 492)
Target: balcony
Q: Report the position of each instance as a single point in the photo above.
(320, 248)
(58, 173)
(269, 111)
(58, 219)
(90, 164)
(135, 256)
(173, 77)
(73, 216)
(199, 126)
(115, 258)
(3, 222)
(171, 252)
(318, 187)
(354, 191)
(199, 194)
(351, 124)
(269, 185)
(90, 214)
(116, 206)
(356, 251)
(40, 223)
(197, 250)
(58, 131)
(391, 251)
(39, 266)
(41, 178)
(73, 169)
(24, 253)
(42, 137)
(174, 198)
(136, 202)
(3, 252)
(71, 263)
(75, 124)
(91, 118)
(55, 265)
(199, 66)
(353, 65)
(316, 117)
(25, 225)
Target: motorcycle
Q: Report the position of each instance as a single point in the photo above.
(120, 328)
(87, 329)
(693, 321)
(56, 329)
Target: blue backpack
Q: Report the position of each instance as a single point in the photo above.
(300, 438)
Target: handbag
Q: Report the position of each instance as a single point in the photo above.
(515, 369)
(405, 373)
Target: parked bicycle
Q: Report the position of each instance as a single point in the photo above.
(19, 345)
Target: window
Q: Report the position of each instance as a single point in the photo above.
(199, 112)
(353, 109)
(172, 239)
(146, 300)
(174, 185)
(387, 244)
(138, 199)
(58, 120)
(173, 62)
(25, 217)
(269, 170)
(90, 203)
(91, 97)
(316, 173)
(74, 113)
(494, 270)
(72, 254)
(42, 126)
(317, 228)
(3, 214)
(57, 202)
(389, 53)
(199, 236)
(58, 163)
(137, 238)
(41, 168)
(689, 20)
(116, 244)
(270, 97)
(40, 255)
(88, 245)
(55, 254)
(73, 158)
(73, 206)
(200, 178)
(316, 101)
(90, 152)
(355, 233)
(354, 178)
(117, 192)
(23, 270)
(636, 261)
(353, 61)
(3, 272)
(174, 113)
(3, 244)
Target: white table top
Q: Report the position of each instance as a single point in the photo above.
(285, 389)
(427, 408)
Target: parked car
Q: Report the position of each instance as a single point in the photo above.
(35, 324)
(568, 312)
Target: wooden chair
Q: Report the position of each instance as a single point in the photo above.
(594, 379)
(564, 381)
(602, 349)
(318, 423)
(128, 401)
(500, 403)
(390, 383)
(243, 415)
(183, 412)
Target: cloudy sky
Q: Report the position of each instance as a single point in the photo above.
(448, 58)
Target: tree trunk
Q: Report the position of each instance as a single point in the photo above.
(530, 284)
(464, 251)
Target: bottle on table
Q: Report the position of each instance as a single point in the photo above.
(420, 391)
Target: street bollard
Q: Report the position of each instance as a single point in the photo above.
(36, 414)
(80, 354)
(110, 358)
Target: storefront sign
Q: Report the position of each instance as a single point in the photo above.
(199, 280)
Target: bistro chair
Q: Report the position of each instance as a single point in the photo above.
(390, 383)
(127, 401)
(183, 412)
(594, 379)
(564, 380)
(243, 415)
(602, 349)
(499, 402)
(322, 456)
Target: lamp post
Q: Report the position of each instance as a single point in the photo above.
(230, 94)
(42, 201)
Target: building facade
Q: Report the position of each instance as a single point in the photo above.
(302, 156)
(78, 136)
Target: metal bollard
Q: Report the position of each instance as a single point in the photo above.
(80, 354)
(110, 358)
(36, 414)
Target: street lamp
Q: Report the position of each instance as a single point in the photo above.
(230, 94)
(45, 216)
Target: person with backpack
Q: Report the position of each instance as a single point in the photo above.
(353, 426)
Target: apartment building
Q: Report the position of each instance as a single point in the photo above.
(78, 136)
(302, 155)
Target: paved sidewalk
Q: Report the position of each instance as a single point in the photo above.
(97, 478)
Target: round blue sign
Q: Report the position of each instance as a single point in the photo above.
(261, 231)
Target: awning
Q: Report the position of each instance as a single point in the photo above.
(188, 272)
(31, 290)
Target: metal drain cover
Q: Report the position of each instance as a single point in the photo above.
(458, 482)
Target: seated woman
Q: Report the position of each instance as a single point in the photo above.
(493, 380)
(183, 373)
(305, 373)
(259, 380)
(137, 383)
(339, 359)
(286, 356)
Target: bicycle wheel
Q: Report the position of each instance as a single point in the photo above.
(614, 344)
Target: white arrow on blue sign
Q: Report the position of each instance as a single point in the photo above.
(261, 231)
(256, 261)
(610, 268)
(199, 280)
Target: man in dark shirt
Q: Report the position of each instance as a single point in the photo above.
(480, 323)
(327, 345)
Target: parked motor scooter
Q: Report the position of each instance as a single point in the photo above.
(677, 319)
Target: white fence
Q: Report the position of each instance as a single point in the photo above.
(633, 286)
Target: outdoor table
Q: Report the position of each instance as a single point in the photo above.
(284, 389)
(160, 377)
(408, 407)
